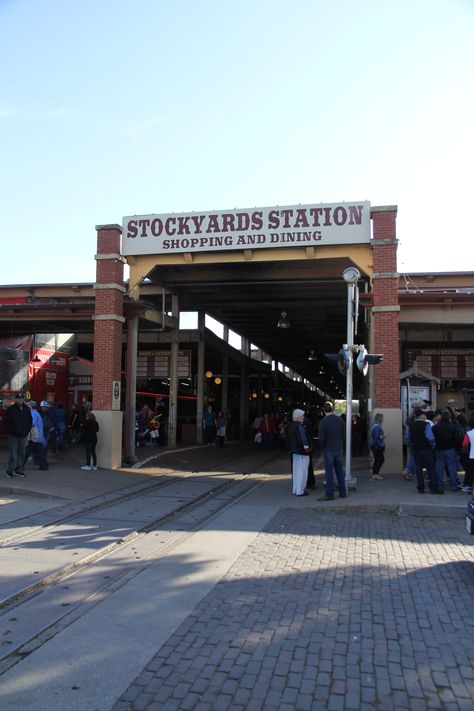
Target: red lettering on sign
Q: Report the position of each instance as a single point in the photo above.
(213, 225)
(183, 228)
(243, 221)
(273, 219)
(340, 215)
(301, 219)
(257, 220)
(355, 214)
(286, 215)
(198, 220)
(228, 222)
(144, 224)
(132, 230)
(170, 221)
(315, 212)
(156, 227)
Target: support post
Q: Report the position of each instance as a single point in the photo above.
(351, 289)
(174, 383)
(131, 388)
(351, 276)
(200, 377)
(108, 325)
(385, 329)
(244, 402)
(225, 384)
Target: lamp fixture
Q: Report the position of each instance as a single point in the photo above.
(208, 373)
(312, 356)
(218, 380)
(283, 322)
(36, 359)
(54, 359)
(351, 275)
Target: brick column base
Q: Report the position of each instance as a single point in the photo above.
(108, 337)
(109, 445)
(392, 426)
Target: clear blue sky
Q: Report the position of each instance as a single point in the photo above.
(116, 107)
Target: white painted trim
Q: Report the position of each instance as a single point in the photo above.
(118, 287)
(109, 317)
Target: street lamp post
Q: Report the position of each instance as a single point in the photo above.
(351, 276)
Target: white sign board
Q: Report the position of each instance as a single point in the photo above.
(410, 397)
(116, 391)
(253, 228)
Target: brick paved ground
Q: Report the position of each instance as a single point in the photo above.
(328, 611)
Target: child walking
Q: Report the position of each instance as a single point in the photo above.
(91, 427)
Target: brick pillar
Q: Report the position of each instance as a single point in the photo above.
(385, 312)
(108, 326)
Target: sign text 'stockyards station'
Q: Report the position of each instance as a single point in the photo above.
(338, 223)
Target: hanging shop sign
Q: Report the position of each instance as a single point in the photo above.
(253, 228)
(82, 380)
(156, 364)
(443, 363)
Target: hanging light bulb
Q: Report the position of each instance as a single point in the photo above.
(284, 322)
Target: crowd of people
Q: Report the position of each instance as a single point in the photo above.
(215, 426)
(298, 434)
(151, 425)
(34, 430)
(440, 444)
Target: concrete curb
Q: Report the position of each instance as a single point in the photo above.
(433, 510)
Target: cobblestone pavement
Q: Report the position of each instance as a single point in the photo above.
(327, 611)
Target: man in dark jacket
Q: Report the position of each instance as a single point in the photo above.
(19, 421)
(311, 480)
(422, 441)
(448, 438)
(332, 435)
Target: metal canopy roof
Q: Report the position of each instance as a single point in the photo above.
(249, 298)
(246, 296)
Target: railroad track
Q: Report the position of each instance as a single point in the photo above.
(163, 514)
